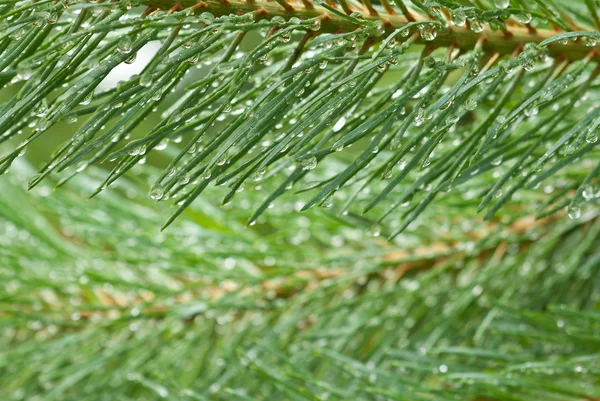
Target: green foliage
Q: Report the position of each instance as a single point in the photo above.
(326, 164)
(106, 307)
(281, 101)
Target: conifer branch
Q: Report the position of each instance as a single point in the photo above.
(503, 42)
(298, 99)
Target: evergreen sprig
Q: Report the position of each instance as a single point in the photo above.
(435, 98)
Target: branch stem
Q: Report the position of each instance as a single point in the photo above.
(497, 41)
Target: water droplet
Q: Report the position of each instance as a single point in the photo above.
(470, 104)
(452, 119)
(528, 65)
(87, 99)
(497, 161)
(458, 18)
(42, 124)
(524, 18)
(193, 60)
(259, 174)
(531, 111)
(262, 59)
(501, 3)
(590, 41)
(446, 105)
(428, 32)
(308, 162)
(420, 117)
(285, 37)
(573, 211)
(380, 29)
(146, 80)
(71, 118)
(225, 67)
(506, 66)
(140, 150)
(52, 18)
(327, 202)
(124, 45)
(131, 59)
(591, 136)
(547, 95)
(587, 192)
(184, 179)
(476, 26)
(42, 109)
(157, 193)
(339, 124)
(316, 25)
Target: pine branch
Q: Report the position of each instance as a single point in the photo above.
(331, 20)
(106, 307)
(316, 67)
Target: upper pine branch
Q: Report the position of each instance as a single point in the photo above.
(340, 102)
(452, 27)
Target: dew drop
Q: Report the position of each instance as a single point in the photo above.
(184, 179)
(590, 41)
(42, 124)
(587, 192)
(428, 32)
(458, 18)
(420, 117)
(131, 59)
(327, 202)
(71, 118)
(524, 18)
(308, 162)
(52, 18)
(501, 3)
(124, 45)
(476, 26)
(573, 211)
(470, 104)
(146, 80)
(591, 136)
(42, 109)
(285, 37)
(157, 193)
(87, 99)
(339, 124)
(140, 150)
(316, 25)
